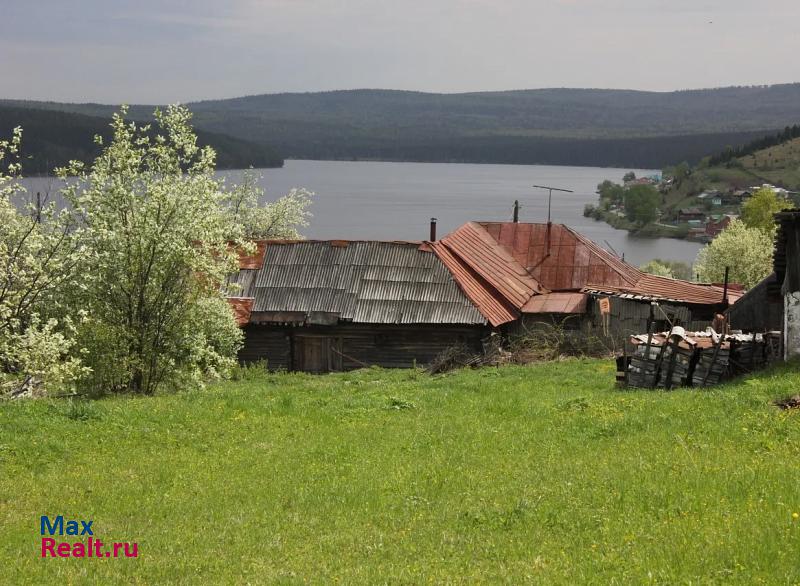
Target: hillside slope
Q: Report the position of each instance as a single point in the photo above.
(778, 165)
(52, 138)
(556, 126)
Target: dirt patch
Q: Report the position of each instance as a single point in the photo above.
(792, 402)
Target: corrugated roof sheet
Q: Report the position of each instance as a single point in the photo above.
(360, 281)
(653, 287)
(482, 272)
(556, 303)
(483, 254)
(490, 303)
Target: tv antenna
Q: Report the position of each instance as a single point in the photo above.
(550, 191)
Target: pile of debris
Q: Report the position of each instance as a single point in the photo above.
(694, 359)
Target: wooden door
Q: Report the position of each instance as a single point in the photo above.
(317, 354)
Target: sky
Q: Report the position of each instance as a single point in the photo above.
(165, 51)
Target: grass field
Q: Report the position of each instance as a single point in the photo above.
(540, 474)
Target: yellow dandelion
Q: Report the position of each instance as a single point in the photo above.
(795, 515)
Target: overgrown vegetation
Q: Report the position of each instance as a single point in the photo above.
(541, 474)
(759, 211)
(535, 342)
(122, 289)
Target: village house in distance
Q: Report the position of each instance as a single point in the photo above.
(321, 306)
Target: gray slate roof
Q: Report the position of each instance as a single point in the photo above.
(362, 282)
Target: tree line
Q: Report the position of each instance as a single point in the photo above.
(730, 153)
(53, 138)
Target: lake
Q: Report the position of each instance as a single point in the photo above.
(395, 201)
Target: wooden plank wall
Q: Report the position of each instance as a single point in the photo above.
(272, 344)
(362, 345)
(628, 316)
(759, 310)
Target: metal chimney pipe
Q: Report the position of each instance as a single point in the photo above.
(516, 211)
(433, 230)
(725, 287)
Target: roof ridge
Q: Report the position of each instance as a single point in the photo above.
(281, 241)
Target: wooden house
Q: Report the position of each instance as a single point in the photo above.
(691, 215)
(760, 309)
(716, 224)
(774, 304)
(322, 306)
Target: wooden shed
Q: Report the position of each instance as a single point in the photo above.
(565, 276)
(322, 306)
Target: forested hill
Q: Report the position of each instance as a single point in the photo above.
(555, 126)
(52, 138)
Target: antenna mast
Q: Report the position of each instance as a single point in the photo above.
(550, 191)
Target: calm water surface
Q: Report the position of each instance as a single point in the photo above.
(395, 201)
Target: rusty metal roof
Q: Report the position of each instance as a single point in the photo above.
(493, 262)
(656, 288)
(575, 263)
(483, 272)
(573, 260)
(242, 306)
(358, 281)
(254, 260)
(491, 304)
(556, 303)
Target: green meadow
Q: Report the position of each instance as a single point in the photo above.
(540, 474)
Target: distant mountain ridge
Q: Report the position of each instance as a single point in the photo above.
(627, 128)
(52, 138)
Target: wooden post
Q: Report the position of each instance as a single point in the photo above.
(714, 356)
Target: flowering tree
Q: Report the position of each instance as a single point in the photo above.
(122, 290)
(278, 219)
(39, 252)
(747, 251)
(158, 235)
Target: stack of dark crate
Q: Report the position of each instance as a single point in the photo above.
(712, 363)
(682, 359)
(750, 352)
(676, 365)
(643, 367)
